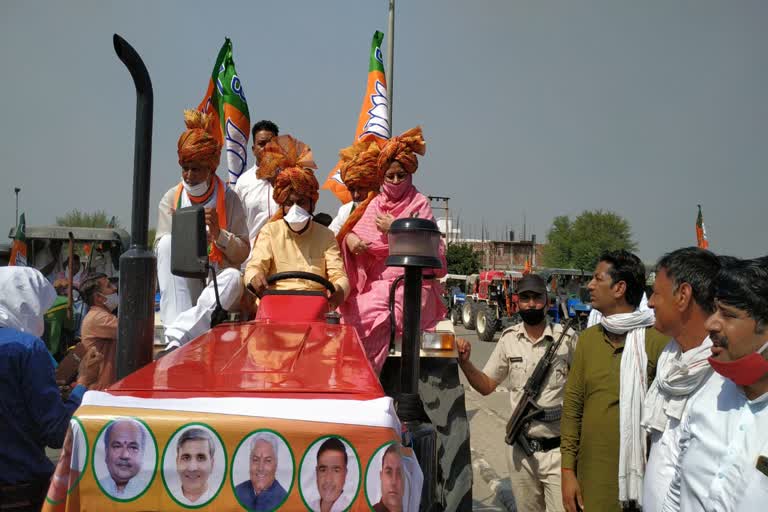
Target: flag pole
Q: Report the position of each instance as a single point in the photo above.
(390, 61)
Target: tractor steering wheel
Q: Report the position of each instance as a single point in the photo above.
(297, 274)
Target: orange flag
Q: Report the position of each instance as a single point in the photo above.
(701, 231)
(19, 246)
(373, 123)
(225, 101)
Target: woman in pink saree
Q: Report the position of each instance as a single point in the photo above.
(365, 249)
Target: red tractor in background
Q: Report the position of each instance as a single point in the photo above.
(491, 302)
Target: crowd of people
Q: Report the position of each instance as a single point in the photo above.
(657, 407)
(263, 225)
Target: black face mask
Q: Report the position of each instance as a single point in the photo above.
(532, 316)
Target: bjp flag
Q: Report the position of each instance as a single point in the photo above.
(373, 122)
(701, 232)
(226, 102)
(19, 246)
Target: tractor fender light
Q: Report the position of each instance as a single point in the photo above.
(438, 341)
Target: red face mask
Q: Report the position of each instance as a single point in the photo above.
(744, 371)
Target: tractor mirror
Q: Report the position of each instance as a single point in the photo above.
(189, 246)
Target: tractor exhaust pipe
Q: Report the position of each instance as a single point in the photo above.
(135, 333)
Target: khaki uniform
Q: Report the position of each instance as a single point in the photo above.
(536, 479)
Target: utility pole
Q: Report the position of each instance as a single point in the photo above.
(17, 190)
(444, 207)
(390, 62)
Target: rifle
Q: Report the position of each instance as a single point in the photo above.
(527, 409)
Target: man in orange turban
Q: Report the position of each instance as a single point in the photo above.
(360, 175)
(186, 304)
(291, 241)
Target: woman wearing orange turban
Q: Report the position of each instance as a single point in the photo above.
(185, 305)
(291, 240)
(365, 248)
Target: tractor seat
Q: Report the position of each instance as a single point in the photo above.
(292, 306)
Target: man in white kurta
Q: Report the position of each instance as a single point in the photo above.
(186, 304)
(682, 300)
(723, 463)
(254, 188)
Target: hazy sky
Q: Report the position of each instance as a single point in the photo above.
(538, 108)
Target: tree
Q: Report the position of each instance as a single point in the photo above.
(578, 244)
(97, 219)
(462, 259)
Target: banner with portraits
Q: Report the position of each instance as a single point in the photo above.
(234, 454)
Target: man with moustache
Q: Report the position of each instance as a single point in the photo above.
(262, 492)
(535, 479)
(194, 463)
(255, 186)
(124, 442)
(331, 474)
(682, 300)
(392, 481)
(723, 463)
(603, 444)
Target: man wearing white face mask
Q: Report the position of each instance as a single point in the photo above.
(100, 324)
(186, 305)
(32, 413)
(302, 245)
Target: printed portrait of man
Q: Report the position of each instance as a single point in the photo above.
(124, 443)
(195, 452)
(262, 492)
(330, 475)
(392, 481)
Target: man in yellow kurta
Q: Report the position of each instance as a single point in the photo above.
(291, 241)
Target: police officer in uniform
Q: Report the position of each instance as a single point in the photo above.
(535, 479)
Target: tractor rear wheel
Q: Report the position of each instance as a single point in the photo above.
(487, 323)
(468, 311)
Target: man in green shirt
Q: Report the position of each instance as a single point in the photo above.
(605, 390)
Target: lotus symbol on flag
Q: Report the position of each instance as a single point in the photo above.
(377, 123)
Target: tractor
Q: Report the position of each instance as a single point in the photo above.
(294, 372)
(493, 305)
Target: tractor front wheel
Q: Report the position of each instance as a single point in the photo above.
(468, 311)
(456, 314)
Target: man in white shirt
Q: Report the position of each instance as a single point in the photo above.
(195, 452)
(124, 444)
(186, 305)
(683, 299)
(254, 188)
(331, 475)
(724, 441)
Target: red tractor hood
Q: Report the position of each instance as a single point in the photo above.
(261, 359)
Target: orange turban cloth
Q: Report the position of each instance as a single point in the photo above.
(291, 160)
(197, 144)
(403, 149)
(283, 152)
(359, 168)
(301, 182)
